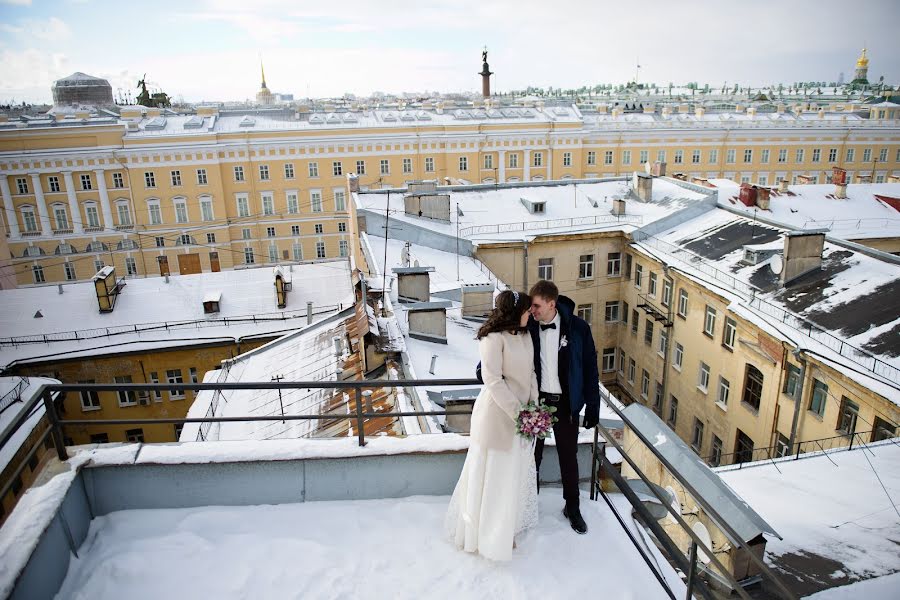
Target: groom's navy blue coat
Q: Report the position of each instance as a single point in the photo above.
(578, 373)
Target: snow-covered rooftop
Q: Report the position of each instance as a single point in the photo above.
(838, 523)
(359, 119)
(387, 548)
(498, 213)
(150, 313)
(319, 352)
(849, 298)
(860, 215)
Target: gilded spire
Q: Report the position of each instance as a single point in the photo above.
(263, 71)
(863, 60)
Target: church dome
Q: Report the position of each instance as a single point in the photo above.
(863, 60)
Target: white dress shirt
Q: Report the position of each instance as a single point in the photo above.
(550, 357)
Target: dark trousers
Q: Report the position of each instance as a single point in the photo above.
(565, 431)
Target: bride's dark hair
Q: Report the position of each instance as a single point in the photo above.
(507, 313)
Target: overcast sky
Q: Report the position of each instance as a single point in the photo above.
(210, 49)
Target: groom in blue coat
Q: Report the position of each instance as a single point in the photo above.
(565, 361)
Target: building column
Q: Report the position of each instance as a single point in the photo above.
(46, 228)
(77, 218)
(549, 163)
(10, 216)
(501, 156)
(104, 200)
(526, 175)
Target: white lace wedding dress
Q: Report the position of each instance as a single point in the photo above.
(496, 495)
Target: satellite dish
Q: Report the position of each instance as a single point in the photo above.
(777, 264)
(702, 533)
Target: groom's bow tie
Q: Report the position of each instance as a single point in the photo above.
(550, 326)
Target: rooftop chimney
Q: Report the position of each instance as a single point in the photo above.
(762, 198)
(428, 321)
(783, 186)
(658, 169)
(413, 283)
(748, 194)
(353, 182)
(618, 207)
(699, 111)
(477, 299)
(643, 186)
(802, 253)
(839, 178)
(107, 288)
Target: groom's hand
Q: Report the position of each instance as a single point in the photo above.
(591, 421)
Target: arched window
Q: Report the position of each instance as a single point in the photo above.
(126, 244)
(65, 249)
(181, 211)
(33, 251)
(97, 247)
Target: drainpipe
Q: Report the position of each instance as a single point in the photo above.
(798, 397)
(671, 333)
(525, 266)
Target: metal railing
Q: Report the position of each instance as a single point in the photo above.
(13, 395)
(750, 295)
(467, 232)
(687, 564)
(85, 334)
(837, 442)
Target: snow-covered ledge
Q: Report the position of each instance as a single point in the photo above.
(52, 518)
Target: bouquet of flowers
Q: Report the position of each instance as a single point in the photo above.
(535, 420)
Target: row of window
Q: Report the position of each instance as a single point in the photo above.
(53, 183)
(60, 221)
(537, 160)
(90, 400)
(275, 254)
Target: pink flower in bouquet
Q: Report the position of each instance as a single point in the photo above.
(535, 420)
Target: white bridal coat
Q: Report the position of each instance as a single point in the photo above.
(496, 495)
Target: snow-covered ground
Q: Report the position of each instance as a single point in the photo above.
(881, 588)
(354, 549)
(832, 507)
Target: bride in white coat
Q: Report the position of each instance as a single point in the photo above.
(496, 495)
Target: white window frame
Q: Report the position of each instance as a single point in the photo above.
(678, 360)
(315, 201)
(729, 333)
(181, 210)
(723, 392)
(202, 177)
(242, 202)
(293, 202)
(123, 213)
(154, 212)
(206, 209)
(709, 321)
(463, 163)
(586, 266)
(703, 374)
(545, 269)
(268, 203)
(337, 168)
(429, 164)
(175, 175)
(611, 311)
(320, 250)
(340, 199)
(384, 166)
(174, 376)
(313, 169)
(86, 183)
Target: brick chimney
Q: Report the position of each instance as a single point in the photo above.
(643, 186)
(839, 178)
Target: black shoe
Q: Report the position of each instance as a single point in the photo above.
(575, 520)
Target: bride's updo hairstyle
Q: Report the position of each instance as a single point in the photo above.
(507, 313)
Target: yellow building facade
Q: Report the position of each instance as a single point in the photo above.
(151, 193)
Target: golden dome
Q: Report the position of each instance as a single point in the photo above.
(863, 60)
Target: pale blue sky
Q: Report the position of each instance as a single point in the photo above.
(209, 49)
